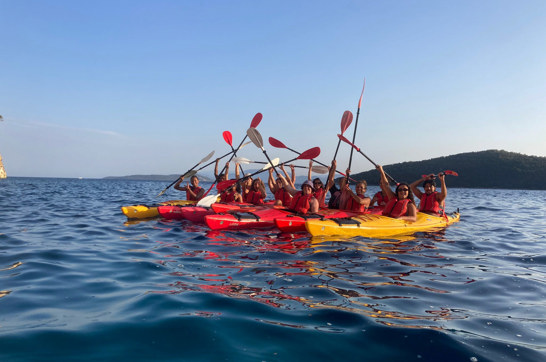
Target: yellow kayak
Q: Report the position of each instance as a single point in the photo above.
(369, 225)
(150, 211)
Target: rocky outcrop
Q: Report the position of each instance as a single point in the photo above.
(2, 170)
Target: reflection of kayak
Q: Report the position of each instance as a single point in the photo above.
(261, 217)
(294, 223)
(149, 211)
(378, 225)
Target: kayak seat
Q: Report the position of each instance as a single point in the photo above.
(240, 215)
(346, 221)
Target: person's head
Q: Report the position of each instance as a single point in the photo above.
(307, 187)
(361, 187)
(429, 186)
(403, 191)
(317, 184)
(247, 181)
(279, 182)
(194, 181)
(256, 184)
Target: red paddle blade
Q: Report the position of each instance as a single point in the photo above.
(452, 173)
(341, 137)
(228, 137)
(346, 121)
(256, 120)
(276, 143)
(222, 185)
(309, 154)
(361, 94)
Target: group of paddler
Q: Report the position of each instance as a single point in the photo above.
(247, 195)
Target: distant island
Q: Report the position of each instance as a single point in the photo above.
(484, 169)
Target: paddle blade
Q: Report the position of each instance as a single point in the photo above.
(361, 94)
(344, 139)
(207, 157)
(276, 143)
(190, 173)
(255, 137)
(256, 120)
(452, 173)
(319, 169)
(228, 138)
(207, 200)
(274, 162)
(346, 121)
(309, 154)
(241, 160)
(244, 144)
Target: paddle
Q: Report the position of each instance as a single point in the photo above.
(253, 124)
(356, 123)
(246, 161)
(310, 153)
(362, 153)
(256, 138)
(229, 139)
(185, 174)
(446, 172)
(278, 144)
(346, 120)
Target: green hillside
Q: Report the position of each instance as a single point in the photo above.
(484, 169)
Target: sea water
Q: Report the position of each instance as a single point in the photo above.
(78, 281)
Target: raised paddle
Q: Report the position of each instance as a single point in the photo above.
(446, 172)
(185, 174)
(356, 124)
(278, 144)
(253, 124)
(363, 154)
(211, 199)
(346, 120)
(246, 161)
(229, 139)
(256, 138)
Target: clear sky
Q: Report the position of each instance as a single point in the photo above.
(111, 88)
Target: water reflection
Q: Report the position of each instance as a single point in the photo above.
(390, 280)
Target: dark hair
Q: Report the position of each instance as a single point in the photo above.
(426, 182)
(410, 194)
(317, 180)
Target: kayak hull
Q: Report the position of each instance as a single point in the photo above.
(261, 218)
(294, 223)
(378, 226)
(149, 211)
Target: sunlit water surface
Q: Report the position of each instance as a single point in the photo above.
(79, 282)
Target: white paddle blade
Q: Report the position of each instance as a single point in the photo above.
(244, 144)
(190, 173)
(319, 169)
(207, 157)
(274, 162)
(241, 160)
(255, 137)
(207, 200)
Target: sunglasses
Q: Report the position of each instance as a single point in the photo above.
(403, 190)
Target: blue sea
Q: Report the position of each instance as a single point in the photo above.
(79, 282)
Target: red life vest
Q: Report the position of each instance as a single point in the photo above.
(320, 195)
(255, 197)
(196, 190)
(284, 196)
(228, 197)
(352, 205)
(300, 203)
(381, 200)
(396, 208)
(429, 203)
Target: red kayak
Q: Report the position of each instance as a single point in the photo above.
(171, 212)
(196, 214)
(262, 217)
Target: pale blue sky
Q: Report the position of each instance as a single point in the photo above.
(104, 88)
